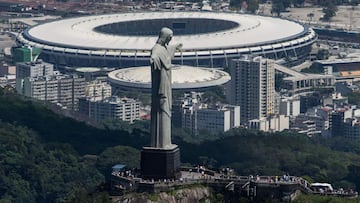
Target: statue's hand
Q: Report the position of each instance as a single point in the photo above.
(179, 46)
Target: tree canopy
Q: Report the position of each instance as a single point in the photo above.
(279, 6)
(314, 68)
(45, 157)
(329, 9)
(33, 172)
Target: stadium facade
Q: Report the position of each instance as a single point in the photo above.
(209, 39)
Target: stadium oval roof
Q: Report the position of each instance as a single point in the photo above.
(183, 77)
(87, 69)
(81, 32)
(209, 39)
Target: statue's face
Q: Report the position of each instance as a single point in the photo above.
(165, 36)
(168, 39)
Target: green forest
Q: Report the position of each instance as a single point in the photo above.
(46, 157)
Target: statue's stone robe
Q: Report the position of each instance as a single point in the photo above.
(161, 97)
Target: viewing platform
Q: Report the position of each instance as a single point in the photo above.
(252, 187)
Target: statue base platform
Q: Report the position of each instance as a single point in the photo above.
(160, 163)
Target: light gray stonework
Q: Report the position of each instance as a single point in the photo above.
(161, 97)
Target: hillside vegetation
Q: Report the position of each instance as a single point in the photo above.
(33, 172)
(46, 157)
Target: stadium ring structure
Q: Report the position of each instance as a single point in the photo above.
(209, 39)
(183, 78)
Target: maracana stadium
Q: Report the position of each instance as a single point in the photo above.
(209, 39)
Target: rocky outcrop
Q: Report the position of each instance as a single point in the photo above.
(187, 195)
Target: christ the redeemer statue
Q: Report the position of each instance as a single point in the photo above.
(161, 160)
(161, 97)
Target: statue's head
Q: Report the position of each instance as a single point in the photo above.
(165, 36)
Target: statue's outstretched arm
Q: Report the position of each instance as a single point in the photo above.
(173, 48)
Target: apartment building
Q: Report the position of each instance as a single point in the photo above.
(125, 109)
(252, 87)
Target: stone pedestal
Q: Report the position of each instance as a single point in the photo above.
(160, 163)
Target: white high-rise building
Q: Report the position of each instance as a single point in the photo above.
(191, 114)
(38, 80)
(289, 106)
(234, 115)
(198, 117)
(35, 88)
(31, 70)
(125, 109)
(252, 87)
(213, 120)
(270, 124)
(62, 89)
(71, 88)
(34, 69)
(98, 89)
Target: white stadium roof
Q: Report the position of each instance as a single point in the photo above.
(183, 77)
(87, 69)
(209, 39)
(79, 32)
